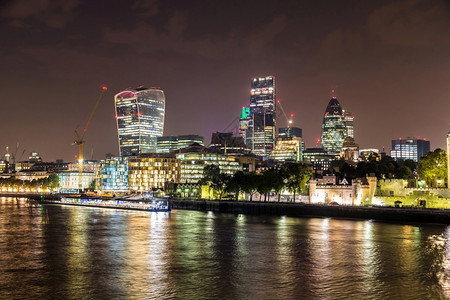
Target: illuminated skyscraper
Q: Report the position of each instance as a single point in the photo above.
(334, 129)
(349, 123)
(448, 160)
(258, 121)
(140, 119)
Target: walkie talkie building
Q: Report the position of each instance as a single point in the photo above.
(140, 119)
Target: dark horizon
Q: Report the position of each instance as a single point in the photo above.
(388, 63)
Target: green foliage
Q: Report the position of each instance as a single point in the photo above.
(385, 168)
(49, 182)
(433, 166)
(292, 177)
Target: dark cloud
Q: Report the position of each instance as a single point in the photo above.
(387, 60)
(54, 14)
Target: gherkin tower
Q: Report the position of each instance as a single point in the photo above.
(334, 129)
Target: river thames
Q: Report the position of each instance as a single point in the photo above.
(65, 252)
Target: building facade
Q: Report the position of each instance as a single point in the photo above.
(284, 132)
(69, 181)
(318, 158)
(165, 144)
(448, 160)
(152, 171)
(140, 119)
(334, 129)
(409, 148)
(349, 120)
(194, 159)
(114, 174)
(288, 149)
(258, 121)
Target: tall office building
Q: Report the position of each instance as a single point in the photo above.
(409, 148)
(334, 129)
(140, 119)
(349, 118)
(258, 121)
(448, 160)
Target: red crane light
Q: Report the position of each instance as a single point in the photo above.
(104, 88)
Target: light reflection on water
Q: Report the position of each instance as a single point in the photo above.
(89, 253)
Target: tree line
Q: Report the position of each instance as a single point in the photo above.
(49, 182)
(292, 177)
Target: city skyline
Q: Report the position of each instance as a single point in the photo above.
(387, 62)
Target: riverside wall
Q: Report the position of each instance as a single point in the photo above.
(406, 215)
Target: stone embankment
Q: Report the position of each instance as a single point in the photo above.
(406, 215)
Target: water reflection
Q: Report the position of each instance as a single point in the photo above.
(90, 253)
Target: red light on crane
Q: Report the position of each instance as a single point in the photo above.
(292, 115)
(104, 88)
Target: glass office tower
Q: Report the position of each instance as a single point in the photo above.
(334, 129)
(409, 148)
(140, 119)
(258, 121)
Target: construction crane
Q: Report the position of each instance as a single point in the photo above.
(79, 139)
(288, 120)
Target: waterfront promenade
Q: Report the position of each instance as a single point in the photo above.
(407, 215)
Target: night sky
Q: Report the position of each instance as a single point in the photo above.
(389, 62)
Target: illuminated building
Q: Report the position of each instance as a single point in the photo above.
(288, 149)
(140, 119)
(409, 148)
(193, 160)
(226, 143)
(114, 174)
(284, 132)
(334, 129)
(318, 158)
(167, 143)
(349, 119)
(349, 150)
(258, 121)
(448, 160)
(150, 171)
(34, 157)
(69, 181)
(369, 155)
(88, 166)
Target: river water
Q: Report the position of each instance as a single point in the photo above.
(64, 252)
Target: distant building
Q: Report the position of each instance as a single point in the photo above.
(34, 157)
(152, 171)
(409, 148)
(88, 166)
(165, 144)
(69, 182)
(288, 149)
(349, 150)
(114, 174)
(369, 155)
(448, 160)
(226, 143)
(140, 119)
(318, 158)
(284, 132)
(193, 160)
(258, 121)
(334, 129)
(349, 119)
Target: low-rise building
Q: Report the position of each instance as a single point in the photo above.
(152, 171)
(113, 175)
(69, 181)
(193, 160)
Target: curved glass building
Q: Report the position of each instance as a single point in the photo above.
(140, 119)
(334, 129)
